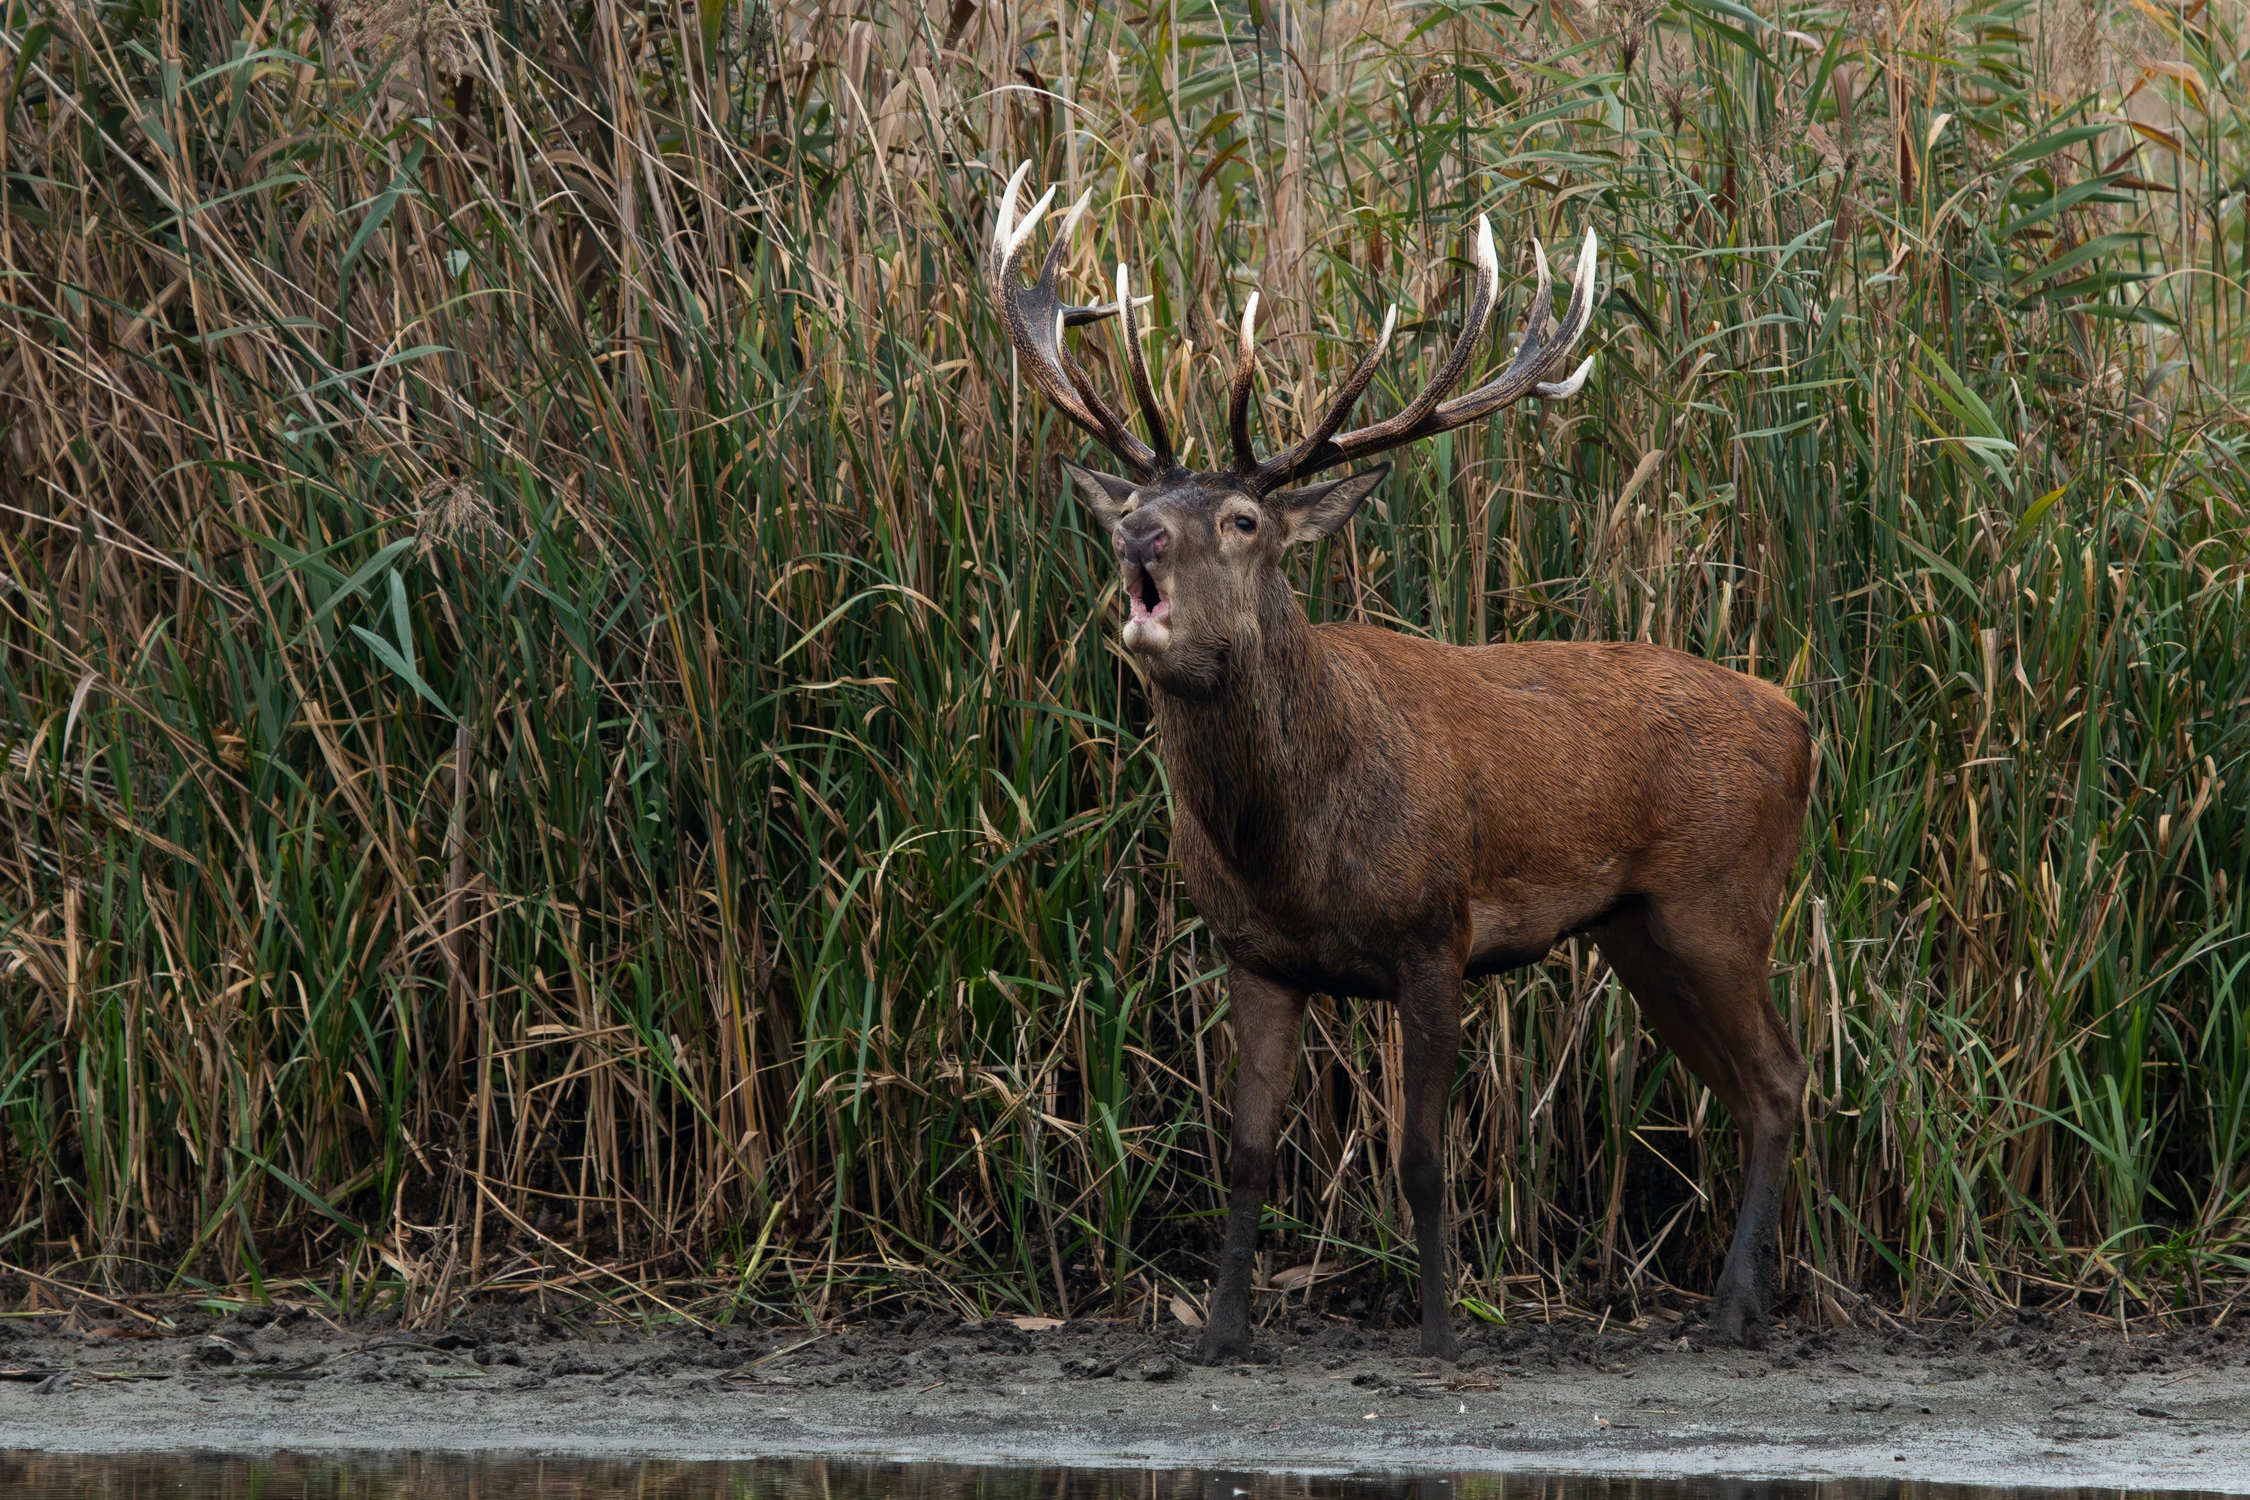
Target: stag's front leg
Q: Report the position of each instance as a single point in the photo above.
(1267, 1017)
(1429, 1012)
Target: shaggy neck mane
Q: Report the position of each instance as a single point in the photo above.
(1244, 755)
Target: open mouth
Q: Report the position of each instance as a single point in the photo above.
(1149, 603)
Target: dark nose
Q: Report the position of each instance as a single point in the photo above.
(1142, 539)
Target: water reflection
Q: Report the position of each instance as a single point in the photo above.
(418, 1476)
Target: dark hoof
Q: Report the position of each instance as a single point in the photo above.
(1439, 1343)
(1216, 1349)
(1736, 1319)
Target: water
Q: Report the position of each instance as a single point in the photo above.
(415, 1476)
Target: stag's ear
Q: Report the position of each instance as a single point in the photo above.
(1106, 495)
(1324, 509)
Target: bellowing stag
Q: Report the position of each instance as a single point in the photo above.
(1359, 812)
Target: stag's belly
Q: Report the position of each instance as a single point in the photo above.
(1339, 937)
(1356, 905)
(1342, 957)
(1522, 922)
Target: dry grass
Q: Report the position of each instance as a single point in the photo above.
(560, 731)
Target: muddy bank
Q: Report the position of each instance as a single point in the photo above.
(2061, 1400)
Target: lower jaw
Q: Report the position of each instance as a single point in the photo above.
(1148, 637)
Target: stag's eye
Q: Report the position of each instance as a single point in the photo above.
(1247, 525)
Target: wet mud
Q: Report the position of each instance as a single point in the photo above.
(2033, 1399)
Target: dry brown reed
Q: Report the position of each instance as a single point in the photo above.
(560, 737)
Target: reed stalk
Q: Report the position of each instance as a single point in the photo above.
(561, 732)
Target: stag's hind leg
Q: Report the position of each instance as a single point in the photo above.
(1700, 980)
(1429, 1015)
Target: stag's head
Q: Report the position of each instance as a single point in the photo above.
(1199, 548)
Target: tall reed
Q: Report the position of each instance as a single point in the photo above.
(561, 732)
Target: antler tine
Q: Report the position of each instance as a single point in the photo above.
(1035, 319)
(1112, 431)
(1562, 390)
(1008, 235)
(1539, 357)
(1136, 361)
(1321, 448)
(1401, 428)
(1245, 373)
(1282, 466)
(1074, 315)
(1004, 214)
(1540, 323)
(1545, 344)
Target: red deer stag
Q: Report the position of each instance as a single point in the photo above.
(1358, 812)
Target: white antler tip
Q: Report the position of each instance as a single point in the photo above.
(1539, 256)
(1023, 231)
(1250, 323)
(1488, 259)
(1005, 223)
(1126, 302)
(1077, 212)
(1563, 390)
(1390, 321)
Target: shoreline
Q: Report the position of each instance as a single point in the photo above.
(2072, 1402)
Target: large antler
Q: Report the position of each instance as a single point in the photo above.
(1545, 345)
(1036, 318)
